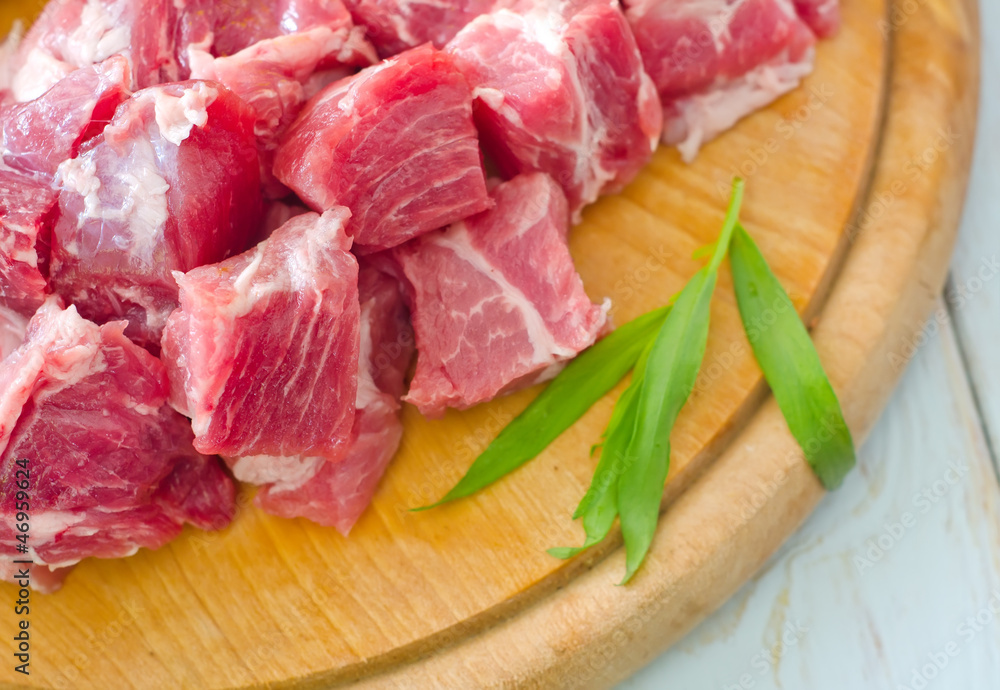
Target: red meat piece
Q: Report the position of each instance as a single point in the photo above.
(39, 135)
(560, 88)
(27, 206)
(171, 184)
(716, 61)
(71, 34)
(397, 25)
(110, 465)
(262, 353)
(497, 304)
(337, 493)
(395, 144)
(274, 56)
(822, 16)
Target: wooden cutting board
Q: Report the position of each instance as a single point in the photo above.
(855, 186)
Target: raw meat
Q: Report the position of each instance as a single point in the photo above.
(71, 34)
(497, 304)
(35, 137)
(337, 493)
(397, 25)
(171, 184)
(822, 16)
(39, 135)
(277, 213)
(560, 88)
(716, 61)
(12, 326)
(263, 351)
(226, 27)
(111, 467)
(27, 205)
(270, 54)
(395, 144)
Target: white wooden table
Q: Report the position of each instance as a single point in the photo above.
(894, 582)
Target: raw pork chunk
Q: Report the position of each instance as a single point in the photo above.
(12, 327)
(27, 205)
(263, 351)
(561, 89)
(78, 33)
(274, 55)
(822, 16)
(497, 304)
(171, 184)
(110, 465)
(397, 25)
(35, 137)
(716, 61)
(395, 144)
(336, 493)
(39, 135)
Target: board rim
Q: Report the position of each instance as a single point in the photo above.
(622, 640)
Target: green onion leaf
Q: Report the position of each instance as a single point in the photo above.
(790, 363)
(599, 506)
(582, 383)
(670, 376)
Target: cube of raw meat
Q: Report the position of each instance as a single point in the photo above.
(27, 206)
(226, 27)
(560, 88)
(12, 327)
(271, 55)
(263, 351)
(171, 184)
(716, 61)
(822, 16)
(397, 25)
(39, 135)
(497, 304)
(336, 493)
(109, 465)
(395, 144)
(71, 34)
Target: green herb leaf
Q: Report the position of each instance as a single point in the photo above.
(599, 506)
(670, 376)
(792, 367)
(582, 383)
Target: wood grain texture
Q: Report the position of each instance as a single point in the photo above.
(464, 596)
(884, 574)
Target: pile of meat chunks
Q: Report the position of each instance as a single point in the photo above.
(227, 225)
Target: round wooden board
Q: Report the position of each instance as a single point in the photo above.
(855, 187)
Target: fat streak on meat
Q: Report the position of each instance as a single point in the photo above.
(497, 304)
